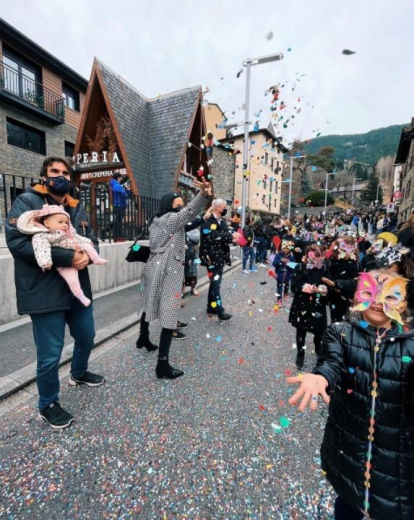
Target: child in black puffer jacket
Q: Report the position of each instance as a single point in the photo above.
(344, 269)
(308, 310)
(367, 366)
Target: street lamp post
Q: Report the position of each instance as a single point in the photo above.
(248, 64)
(353, 190)
(326, 190)
(290, 181)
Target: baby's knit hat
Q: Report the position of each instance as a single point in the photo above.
(52, 209)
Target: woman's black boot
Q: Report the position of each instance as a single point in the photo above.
(144, 342)
(164, 369)
(300, 359)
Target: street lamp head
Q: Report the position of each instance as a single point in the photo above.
(264, 59)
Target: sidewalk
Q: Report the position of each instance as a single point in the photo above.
(219, 443)
(114, 311)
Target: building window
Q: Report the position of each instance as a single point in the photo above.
(276, 187)
(264, 199)
(20, 76)
(25, 137)
(70, 97)
(275, 202)
(277, 167)
(272, 163)
(270, 185)
(69, 147)
(264, 184)
(266, 157)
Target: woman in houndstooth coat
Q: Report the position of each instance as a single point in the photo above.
(164, 272)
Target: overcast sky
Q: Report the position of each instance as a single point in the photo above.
(160, 46)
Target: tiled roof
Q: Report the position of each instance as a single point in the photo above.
(154, 131)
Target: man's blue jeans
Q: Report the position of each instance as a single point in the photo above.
(49, 336)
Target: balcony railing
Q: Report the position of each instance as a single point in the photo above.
(31, 91)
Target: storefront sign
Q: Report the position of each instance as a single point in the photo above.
(98, 175)
(85, 158)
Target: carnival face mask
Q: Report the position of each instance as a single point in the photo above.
(287, 245)
(315, 262)
(391, 254)
(347, 250)
(380, 288)
(377, 245)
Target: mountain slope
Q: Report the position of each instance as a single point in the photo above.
(368, 147)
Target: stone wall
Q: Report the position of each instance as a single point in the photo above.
(23, 163)
(407, 186)
(14, 160)
(223, 173)
(116, 273)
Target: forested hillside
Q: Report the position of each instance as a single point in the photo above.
(368, 148)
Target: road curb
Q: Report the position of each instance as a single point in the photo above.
(18, 380)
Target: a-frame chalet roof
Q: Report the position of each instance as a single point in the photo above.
(154, 132)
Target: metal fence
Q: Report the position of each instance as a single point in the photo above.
(114, 223)
(110, 223)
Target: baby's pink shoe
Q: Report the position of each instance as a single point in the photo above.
(100, 261)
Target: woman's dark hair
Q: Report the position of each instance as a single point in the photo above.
(406, 266)
(50, 160)
(116, 175)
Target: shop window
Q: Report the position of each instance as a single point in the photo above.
(26, 137)
(70, 97)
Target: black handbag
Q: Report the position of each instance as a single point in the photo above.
(138, 253)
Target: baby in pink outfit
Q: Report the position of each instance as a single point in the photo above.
(50, 227)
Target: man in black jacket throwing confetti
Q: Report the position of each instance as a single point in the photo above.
(215, 253)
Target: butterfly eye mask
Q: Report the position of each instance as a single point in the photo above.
(347, 250)
(315, 262)
(390, 292)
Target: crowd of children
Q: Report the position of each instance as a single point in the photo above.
(364, 360)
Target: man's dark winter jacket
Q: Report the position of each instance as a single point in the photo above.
(215, 243)
(346, 362)
(39, 292)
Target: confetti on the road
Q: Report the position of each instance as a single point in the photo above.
(226, 422)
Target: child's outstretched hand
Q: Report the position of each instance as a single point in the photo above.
(311, 386)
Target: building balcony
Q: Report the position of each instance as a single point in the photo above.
(31, 96)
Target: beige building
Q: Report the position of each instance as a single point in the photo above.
(265, 170)
(405, 159)
(214, 117)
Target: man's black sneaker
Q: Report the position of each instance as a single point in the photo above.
(55, 416)
(224, 316)
(177, 334)
(181, 325)
(88, 379)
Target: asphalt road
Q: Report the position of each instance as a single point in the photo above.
(219, 443)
